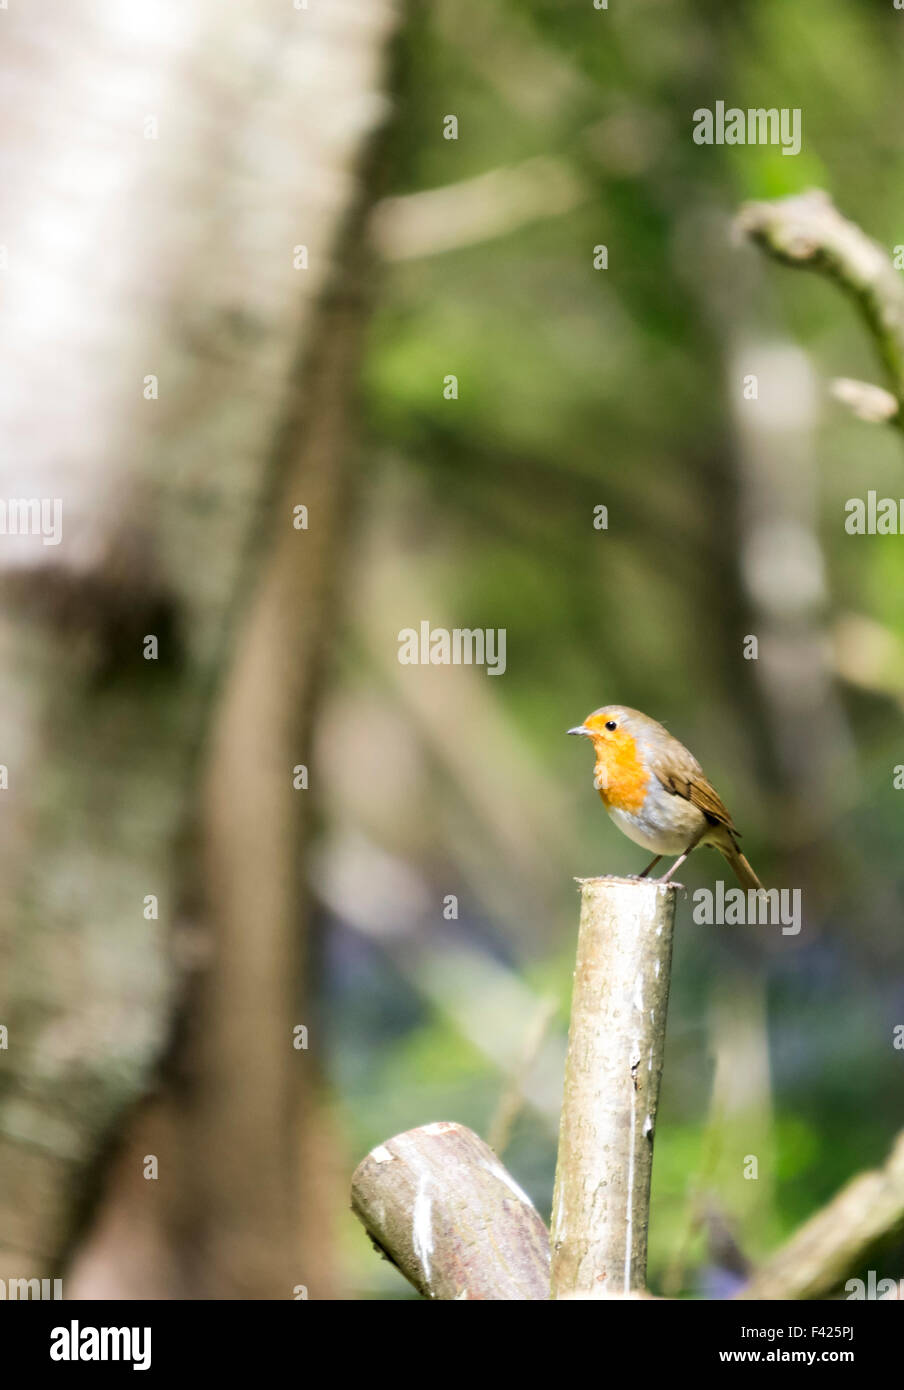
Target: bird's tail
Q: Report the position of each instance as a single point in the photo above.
(742, 870)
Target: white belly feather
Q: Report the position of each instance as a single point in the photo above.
(646, 827)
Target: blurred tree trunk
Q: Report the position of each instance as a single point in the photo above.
(252, 1118)
(158, 181)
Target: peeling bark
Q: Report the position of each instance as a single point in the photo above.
(438, 1203)
(615, 1051)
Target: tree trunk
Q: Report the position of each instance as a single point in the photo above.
(157, 185)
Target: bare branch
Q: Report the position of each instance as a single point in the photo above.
(868, 402)
(493, 204)
(514, 1096)
(809, 231)
(838, 1238)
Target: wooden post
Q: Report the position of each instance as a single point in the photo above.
(612, 1073)
(440, 1205)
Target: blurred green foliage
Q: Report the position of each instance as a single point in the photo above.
(622, 387)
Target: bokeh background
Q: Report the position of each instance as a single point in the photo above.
(622, 387)
(578, 387)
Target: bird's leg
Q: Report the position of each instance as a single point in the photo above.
(677, 865)
(651, 865)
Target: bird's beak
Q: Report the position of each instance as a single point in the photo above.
(579, 730)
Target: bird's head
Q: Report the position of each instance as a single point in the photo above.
(613, 732)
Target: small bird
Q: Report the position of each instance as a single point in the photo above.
(656, 791)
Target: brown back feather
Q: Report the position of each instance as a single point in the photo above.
(685, 777)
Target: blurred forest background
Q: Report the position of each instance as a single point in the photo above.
(578, 387)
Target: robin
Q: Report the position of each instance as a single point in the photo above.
(656, 791)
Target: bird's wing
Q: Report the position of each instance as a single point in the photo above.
(685, 777)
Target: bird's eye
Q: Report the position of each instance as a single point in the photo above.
(611, 724)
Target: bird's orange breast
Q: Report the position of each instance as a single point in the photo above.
(620, 776)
